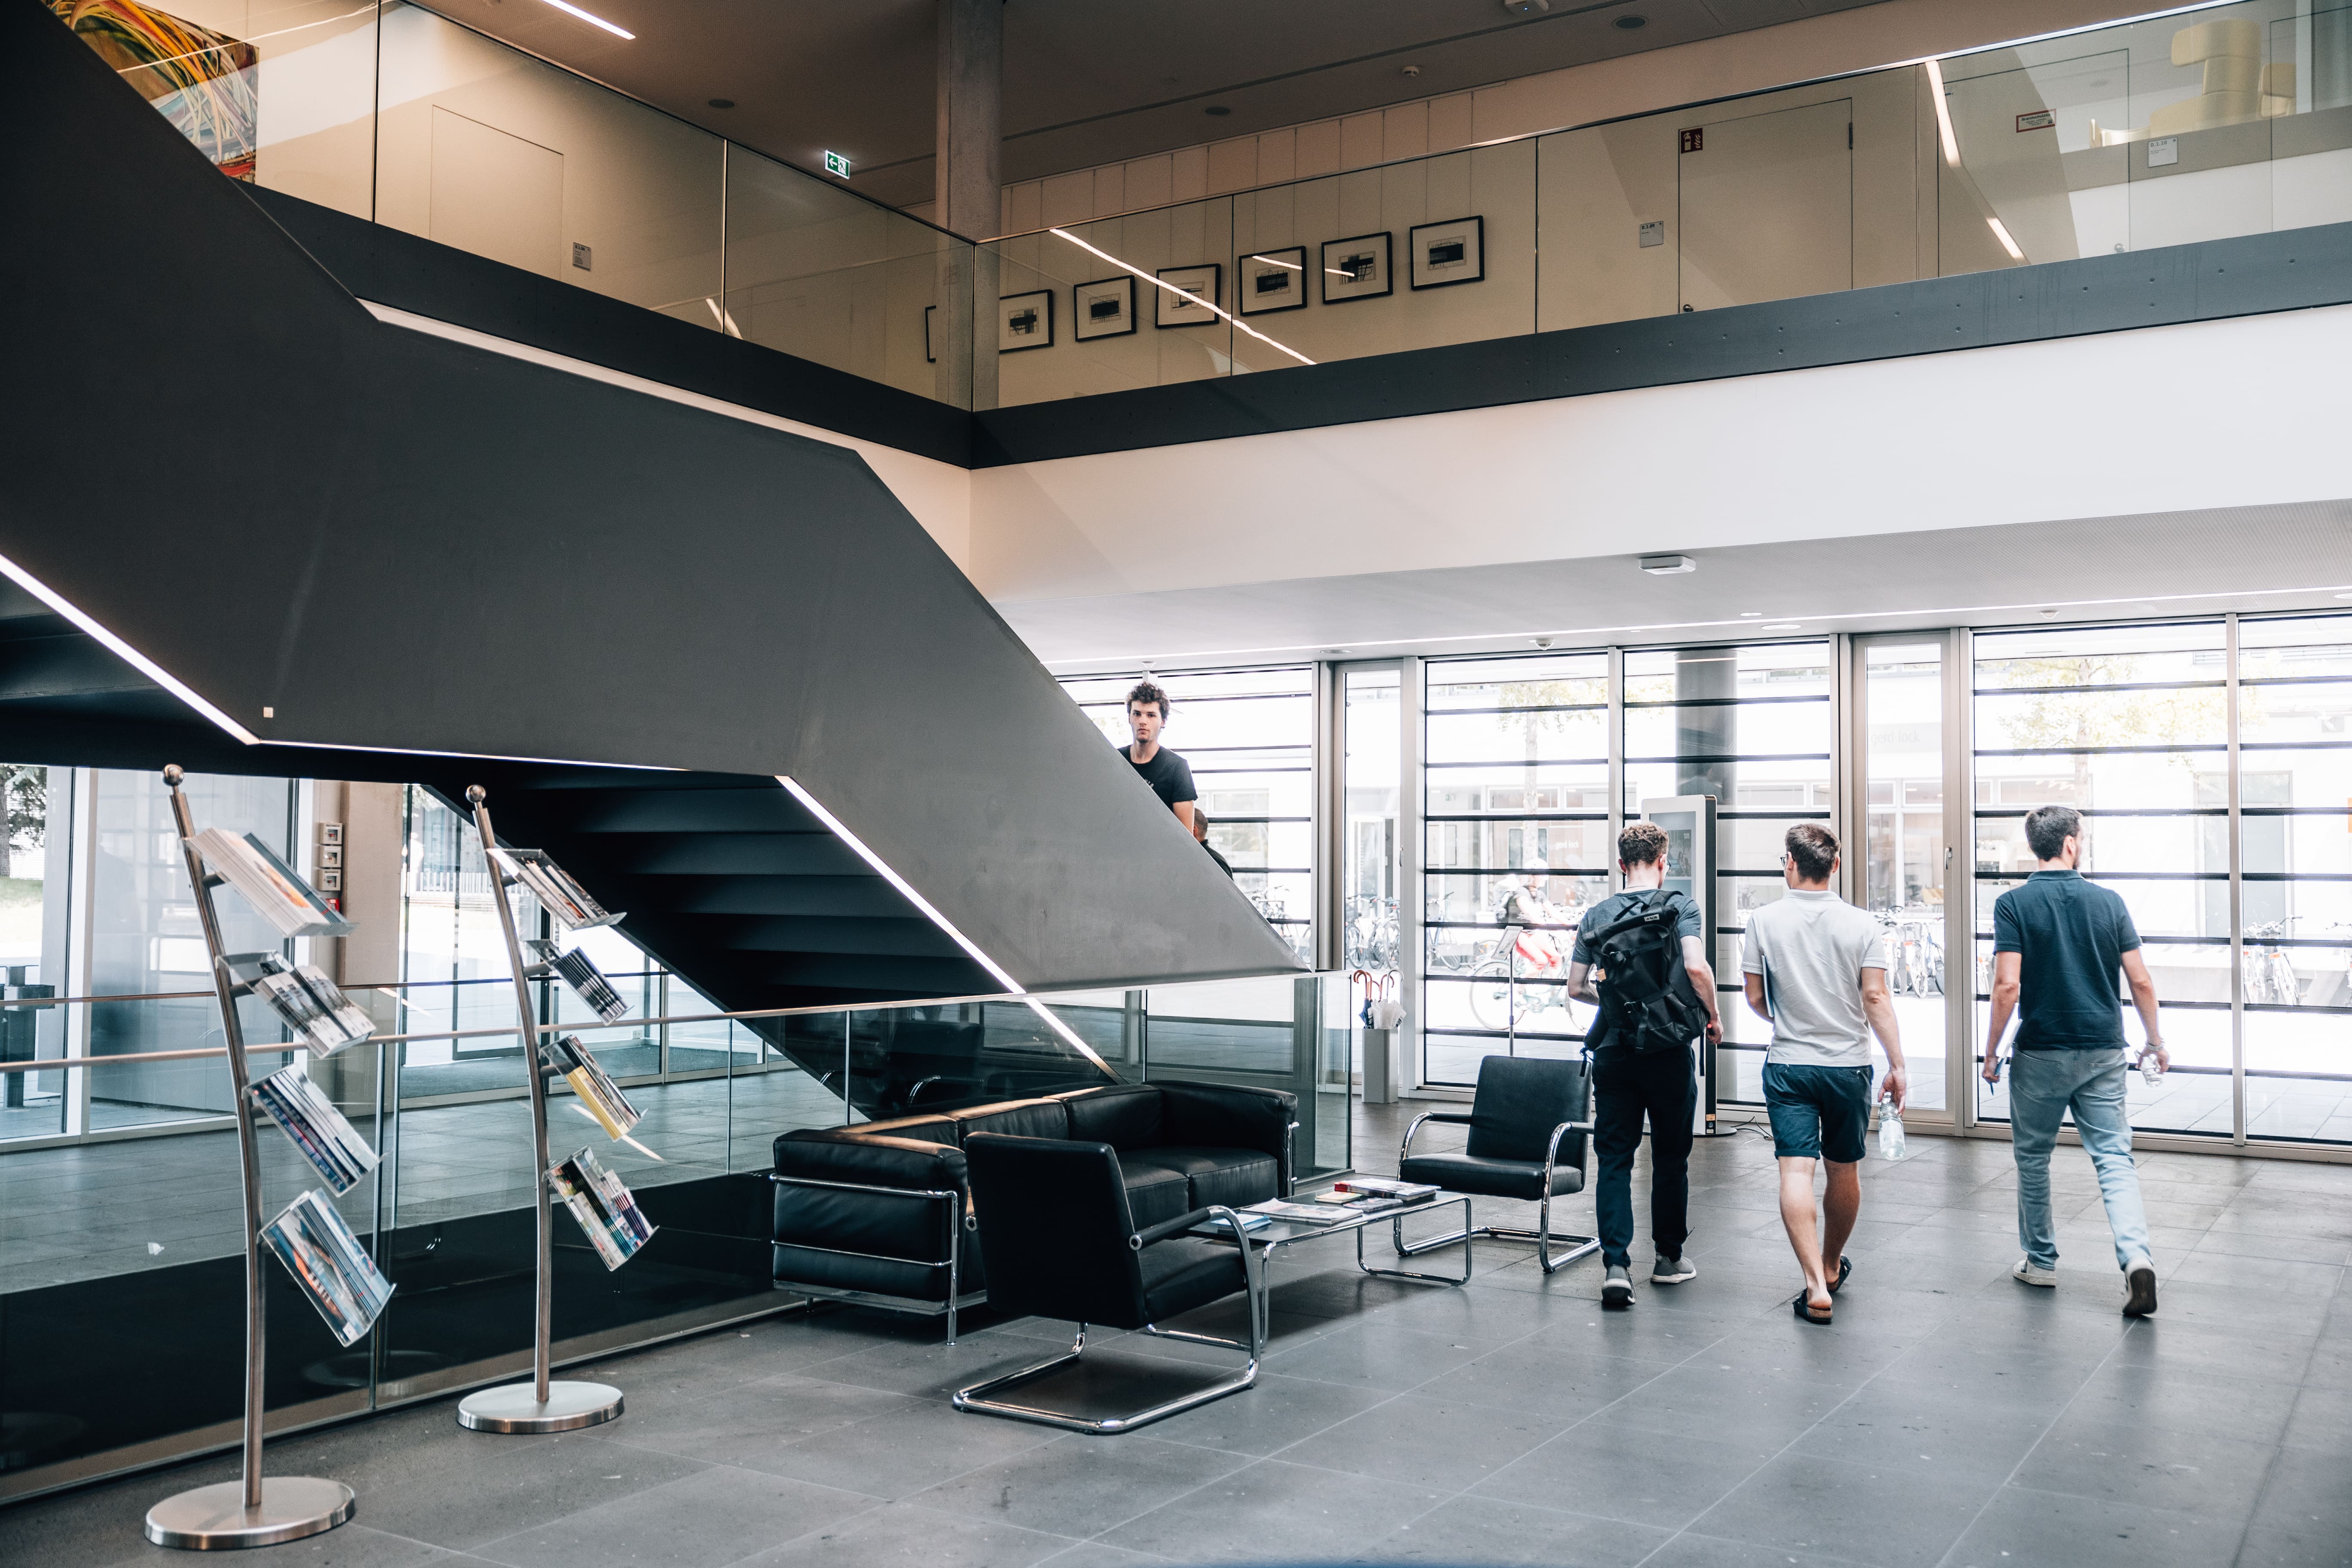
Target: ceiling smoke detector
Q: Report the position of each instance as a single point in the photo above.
(1526, 7)
(1667, 565)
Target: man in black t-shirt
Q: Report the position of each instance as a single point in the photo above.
(1168, 775)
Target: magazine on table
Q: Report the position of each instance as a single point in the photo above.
(1216, 1228)
(329, 1265)
(326, 1138)
(554, 889)
(587, 981)
(269, 884)
(1300, 1213)
(597, 1091)
(598, 1199)
(1387, 1188)
(1357, 1203)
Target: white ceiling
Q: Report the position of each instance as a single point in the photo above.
(1086, 81)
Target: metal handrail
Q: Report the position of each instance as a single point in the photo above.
(351, 985)
(58, 1064)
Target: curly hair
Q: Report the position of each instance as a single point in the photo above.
(1642, 843)
(1146, 691)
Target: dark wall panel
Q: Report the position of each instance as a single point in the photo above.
(347, 534)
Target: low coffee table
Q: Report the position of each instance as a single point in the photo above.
(1284, 1233)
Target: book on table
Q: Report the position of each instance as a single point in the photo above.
(272, 887)
(601, 1203)
(597, 1091)
(1300, 1213)
(329, 1265)
(326, 1138)
(1386, 1187)
(1216, 1227)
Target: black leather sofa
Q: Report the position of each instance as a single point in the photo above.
(879, 1213)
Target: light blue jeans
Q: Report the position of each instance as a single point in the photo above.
(2042, 1087)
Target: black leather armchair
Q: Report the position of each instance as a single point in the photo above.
(1528, 1125)
(1063, 1244)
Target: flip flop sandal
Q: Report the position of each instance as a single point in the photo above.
(1845, 1271)
(1807, 1314)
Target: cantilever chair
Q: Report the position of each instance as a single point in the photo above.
(1062, 1242)
(1528, 1125)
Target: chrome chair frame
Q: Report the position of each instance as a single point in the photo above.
(957, 1298)
(978, 1397)
(1580, 1246)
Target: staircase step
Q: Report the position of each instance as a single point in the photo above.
(908, 938)
(685, 811)
(729, 854)
(849, 897)
(888, 976)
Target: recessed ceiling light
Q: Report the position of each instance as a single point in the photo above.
(2049, 612)
(722, 103)
(1667, 565)
(2344, 596)
(1750, 614)
(1217, 108)
(591, 19)
(1781, 627)
(1410, 70)
(1631, 22)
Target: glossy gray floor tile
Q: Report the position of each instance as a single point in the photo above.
(1949, 1416)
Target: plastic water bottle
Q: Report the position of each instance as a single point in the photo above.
(2151, 1070)
(1890, 1134)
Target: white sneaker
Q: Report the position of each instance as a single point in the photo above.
(2025, 1273)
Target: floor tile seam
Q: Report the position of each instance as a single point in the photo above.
(2278, 1452)
(705, 1466)
(1242, 1463)
(1309, 1437)
(2047, 1427)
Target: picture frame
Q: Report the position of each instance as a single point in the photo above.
(1359, 268)
(1103, 309)
(1025, 321)
(1445, 254)
(1266, 282)
(1203, 282)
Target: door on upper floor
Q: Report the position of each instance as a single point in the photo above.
(1766, 206)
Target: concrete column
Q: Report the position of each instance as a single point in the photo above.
(970, 118)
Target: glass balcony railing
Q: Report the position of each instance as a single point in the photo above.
(2223, 120)
(2230, 119)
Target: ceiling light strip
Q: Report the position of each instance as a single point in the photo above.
(1953, 615)
(906, 889)
(2000, 233)
(123, 650)
(1181, 294)
(592, 18)
(1943, 112)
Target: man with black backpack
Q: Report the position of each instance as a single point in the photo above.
(1646, 949)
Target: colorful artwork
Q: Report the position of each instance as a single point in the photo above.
(200, 81)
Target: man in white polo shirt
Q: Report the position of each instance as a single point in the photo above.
(1816, 966)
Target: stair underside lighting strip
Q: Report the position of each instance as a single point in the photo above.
(971, 949)
(123, 650)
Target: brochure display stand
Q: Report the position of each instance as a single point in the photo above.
(258, 1510)
(542, 1405)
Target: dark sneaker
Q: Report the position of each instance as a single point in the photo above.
(1617, 1289)
(1672, 1270)
(2139, 1290)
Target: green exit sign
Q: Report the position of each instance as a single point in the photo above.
(834, 164)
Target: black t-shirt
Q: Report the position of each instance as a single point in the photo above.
(1170, 776)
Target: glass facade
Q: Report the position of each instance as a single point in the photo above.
(1249, 738)
(1516, 810)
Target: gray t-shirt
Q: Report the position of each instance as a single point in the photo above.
(1812, 948)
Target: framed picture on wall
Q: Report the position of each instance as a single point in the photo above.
(1357, 269)
(1199, 283)
(1103, 309)
(1448, 253)
(1025, 321)
(1271, 281)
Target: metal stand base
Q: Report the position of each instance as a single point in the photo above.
(215, 1518)
(512, 1408)
(1552, 1262)
(978, 1399)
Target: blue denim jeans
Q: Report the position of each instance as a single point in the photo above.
(2042, 1087)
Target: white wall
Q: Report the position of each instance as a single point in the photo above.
(2070, 428)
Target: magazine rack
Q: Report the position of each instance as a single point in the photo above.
(540, 1405)
(256, 1511)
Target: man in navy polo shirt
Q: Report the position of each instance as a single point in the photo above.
(2059, 944)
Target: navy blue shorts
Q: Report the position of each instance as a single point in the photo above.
(1818, 1112)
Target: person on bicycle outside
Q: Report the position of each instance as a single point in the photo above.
(1632, 1079)
(1169, 776)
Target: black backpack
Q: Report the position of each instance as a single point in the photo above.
(1645, 990)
